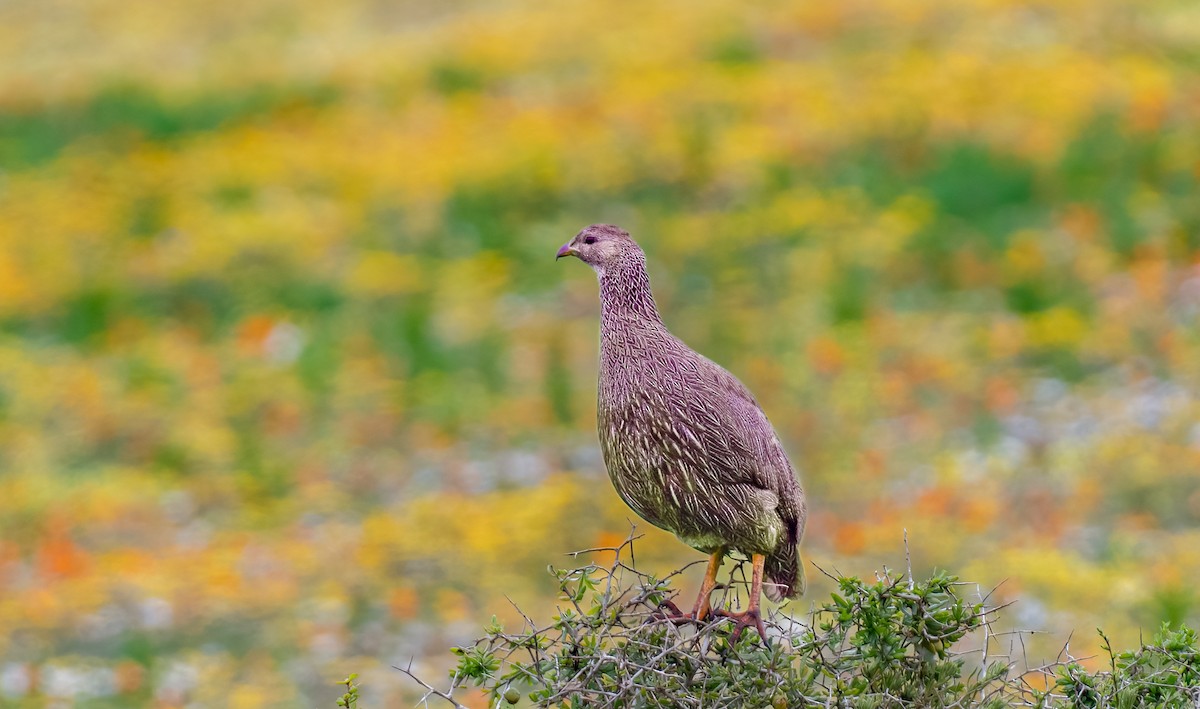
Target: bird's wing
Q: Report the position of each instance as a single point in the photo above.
(739, 441)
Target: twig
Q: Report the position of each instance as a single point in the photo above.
(829, 575)
(908, 561)
(430, 690)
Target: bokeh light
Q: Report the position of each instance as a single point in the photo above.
(291, 385)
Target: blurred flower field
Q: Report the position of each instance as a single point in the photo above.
(290, 385)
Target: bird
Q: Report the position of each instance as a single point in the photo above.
(686, 445)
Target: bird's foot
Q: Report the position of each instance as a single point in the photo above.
(745, 618)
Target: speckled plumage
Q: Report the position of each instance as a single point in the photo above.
(686, 445)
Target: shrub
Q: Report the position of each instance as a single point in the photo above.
(1165, 673)
(890, 642)
(877, 643)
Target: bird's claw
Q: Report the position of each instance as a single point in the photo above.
(742, 620)
(670, 612)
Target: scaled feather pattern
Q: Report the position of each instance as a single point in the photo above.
(685, 443)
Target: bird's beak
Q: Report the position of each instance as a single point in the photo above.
(566, 250)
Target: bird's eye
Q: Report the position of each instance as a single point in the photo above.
(589, 239)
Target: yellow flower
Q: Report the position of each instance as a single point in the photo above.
(1059, 326)
(385, 273)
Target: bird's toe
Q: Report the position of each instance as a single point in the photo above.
(668, 611)
(742, 620)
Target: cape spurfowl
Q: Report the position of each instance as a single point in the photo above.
(685, 443)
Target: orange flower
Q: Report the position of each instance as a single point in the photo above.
(849, 538)
(58, 555)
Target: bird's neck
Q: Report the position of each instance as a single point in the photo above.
(625, 298)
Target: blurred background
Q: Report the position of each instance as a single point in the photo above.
(291, 385)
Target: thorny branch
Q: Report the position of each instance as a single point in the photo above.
(894, 643)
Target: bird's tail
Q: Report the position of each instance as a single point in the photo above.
(784, 572)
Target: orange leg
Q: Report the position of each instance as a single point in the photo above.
(751, 614)
(702, 608)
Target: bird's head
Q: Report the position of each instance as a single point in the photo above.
(603, 247)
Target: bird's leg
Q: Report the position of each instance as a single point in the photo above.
(669, 611)
(702, 608)
(751, 614)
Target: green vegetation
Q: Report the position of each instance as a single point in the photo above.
(349, 700)
(891, 643)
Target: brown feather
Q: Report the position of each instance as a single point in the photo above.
(686, 445)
